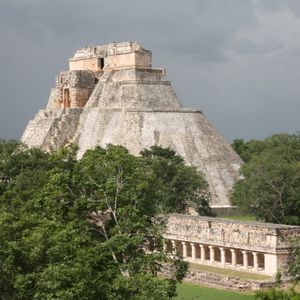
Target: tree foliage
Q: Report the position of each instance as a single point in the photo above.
(277, 294)
(89, 229)
(247, 150)
(178, 187)
(270, 188)
(294, 260)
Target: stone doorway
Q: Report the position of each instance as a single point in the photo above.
(261, 261)
(66, 99)
(228, 258)
(101, 63)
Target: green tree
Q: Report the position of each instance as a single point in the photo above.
(177, 186)
(270, 188)
(247, 150)
(6, 150)
(89, 229)
(277, 294)
(294, 260)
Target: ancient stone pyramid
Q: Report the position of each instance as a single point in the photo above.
(112, 95)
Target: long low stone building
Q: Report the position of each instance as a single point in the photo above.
(244, 246)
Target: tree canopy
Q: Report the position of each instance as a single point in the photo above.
(90, 229)
(270, 188)
(277, 294)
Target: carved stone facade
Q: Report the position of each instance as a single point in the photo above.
(73, 89)
(244, 246)
(112, 56)
(112, 95)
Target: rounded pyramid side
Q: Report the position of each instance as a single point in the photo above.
(186, 131)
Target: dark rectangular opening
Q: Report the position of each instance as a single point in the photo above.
(66, 98)
(101, 62)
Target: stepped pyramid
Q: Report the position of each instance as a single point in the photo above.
(111, 94)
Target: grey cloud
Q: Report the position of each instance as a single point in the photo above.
(241, 95)
(247, 47)
(203, 28)
(279, 5)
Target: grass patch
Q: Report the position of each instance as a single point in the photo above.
(231, 273)
(188, 291)
(241, 218)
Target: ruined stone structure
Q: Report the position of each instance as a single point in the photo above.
(244, 246)
(111, 94)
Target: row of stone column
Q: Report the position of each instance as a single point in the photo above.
(233, 262)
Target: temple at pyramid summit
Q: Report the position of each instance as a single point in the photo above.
(112, 95)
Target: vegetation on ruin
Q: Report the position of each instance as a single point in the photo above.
(87, 229)
(270, 188)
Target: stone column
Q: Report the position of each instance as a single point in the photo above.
(193, 246)
(184, 249)
(212, 254)
(223, 259)
(233, 257)
(245, 259)
(165, 246)
(202, 253)
(173, 246)
(255, 261)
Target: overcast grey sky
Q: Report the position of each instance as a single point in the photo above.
(236, 60)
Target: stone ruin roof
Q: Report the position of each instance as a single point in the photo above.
(237, 222)
(263, 237)
(105, 50)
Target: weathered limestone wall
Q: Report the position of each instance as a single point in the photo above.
(140, 75)
(248, 246)
(227, 282)
(91, 64)
(132, 94)
(51, 130)
(72, 89)
(112, 56)
(76, 79)
(185, 131)
(90, 52)
(38, 128)
(54, 100)
(62, 130)
(128, 60)
(143, 59)
(264, 237)
(88, 58)
(79, 97)
(125, 47)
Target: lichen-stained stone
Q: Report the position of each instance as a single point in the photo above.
(266, 246)
(112, 95)
(247, 235)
